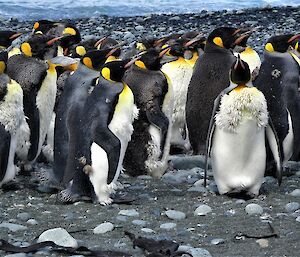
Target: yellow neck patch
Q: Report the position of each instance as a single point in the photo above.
(105, 72)
(26, 49)
(80, 50)
(193, 60)
(2, 67)
(70, 31)
(110, 59)
(269, 47)
(239, 88)
(88, 62)
(297, 46)
(51, 67)
(218, 41)
(36, 25)
(140, 64)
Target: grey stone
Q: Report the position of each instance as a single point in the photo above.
(188, 162)
(144, 177)
(139, 19)
(199, 252)
(254, 208)
(32, 222)
(168, 226)
(147, 230)
(175, 215)
(175, 18)
(24, 216)
(217, 241)
(139, 27)
(240, 201)
(129, 213)
(291, 207)
(198, 189)
(295, 192)
(103, 228)
(59, 236)
(202, 210)
(298, 219)
(12, 227)
(184, 248)
(122, 218)
(141, 223)
(16, 255)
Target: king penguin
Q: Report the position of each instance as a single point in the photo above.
(209, 78)
(149, 147)
(38, 81)
(11, 116)
(104, 136)
(76, 89)
(240, 119)
(278, 79)
(7, 37)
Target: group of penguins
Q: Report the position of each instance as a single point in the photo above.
(90, 108)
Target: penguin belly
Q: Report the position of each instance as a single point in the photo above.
(239, 158)
(288, 142)
(180, 73)
(45, 103)
(11, 169)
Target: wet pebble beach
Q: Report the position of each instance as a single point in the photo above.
(178, 207)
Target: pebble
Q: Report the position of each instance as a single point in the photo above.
(32, 222)
(291, 207)
(147, 230)
(175, 215)
(168, 226)
(295, 192)
(12, 227)
(141, 223)
(240, 201)
(16, 255)
(298, 219)
(199, 252)
(263, 243)
(254, 208)
(217, 241)
(198, 189)
(202, 210)
(121, 218)
(24, 216)
(144, 177)
(139, 27)
(103, 228)
(59, 236)
(129, 213)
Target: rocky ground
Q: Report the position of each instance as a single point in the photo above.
(203, 223)
(177, 207)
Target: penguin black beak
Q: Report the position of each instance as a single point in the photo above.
(238, 63)
(53, 40)
(99, 42)
(112, 51)
(243, 36)
(293, 38)
(14, 36)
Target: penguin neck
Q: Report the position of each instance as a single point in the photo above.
(239, 87)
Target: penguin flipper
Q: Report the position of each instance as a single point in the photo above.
(157, 118)
(32, 113)
(4, 151)
(210, 132)
(275, 148)
(112, 146)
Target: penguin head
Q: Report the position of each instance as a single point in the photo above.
(95, 59)
(40, 46)
(146, 43)
(3, 61)
(280, 43)
(108, 43)
(228, 37)
(6, 38)
(115, 70)
(240, 73)
(151, 59)
(43, 26)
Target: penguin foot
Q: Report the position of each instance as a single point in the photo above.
(48, 153)
(67, 197)
(114, 186)
(105, 200)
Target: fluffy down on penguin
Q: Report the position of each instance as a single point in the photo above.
(240, 121)
(11, 116)
(278, 79)
(209, 78)
(149, 147)
(104, 135)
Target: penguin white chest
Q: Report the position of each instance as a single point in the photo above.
(45, 102)
(238, 145)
